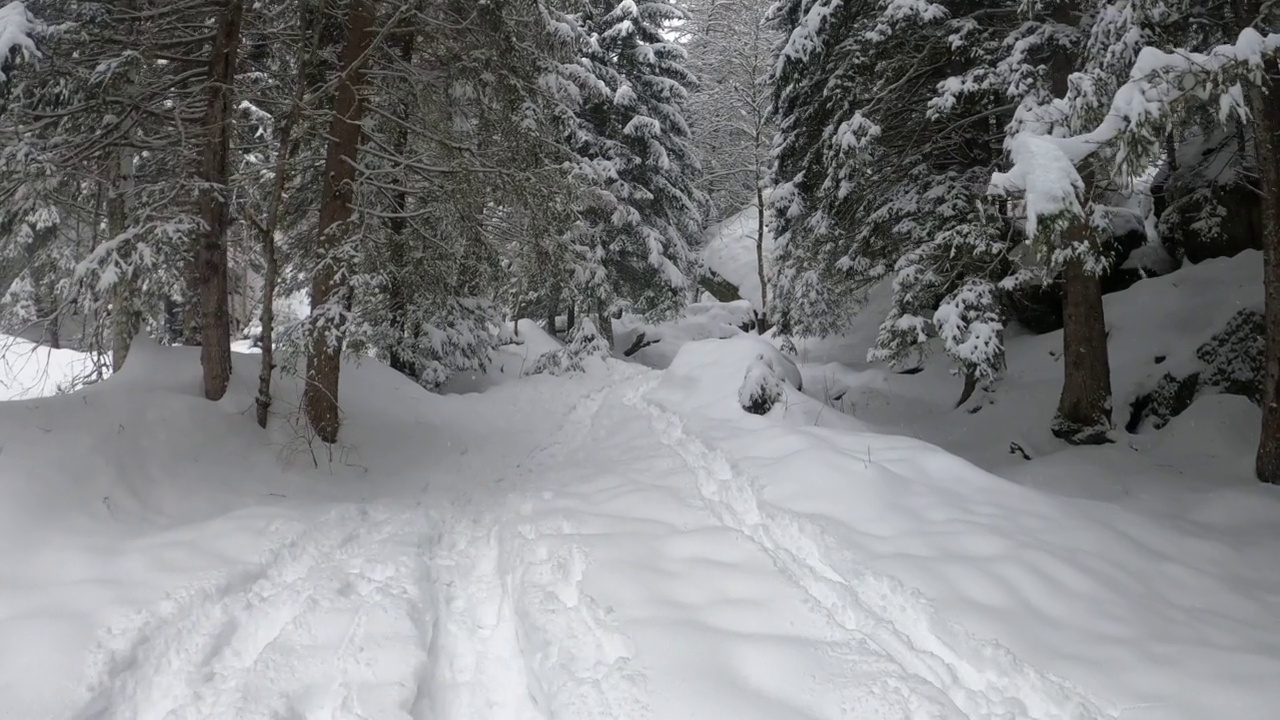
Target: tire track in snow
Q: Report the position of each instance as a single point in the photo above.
(317, 630)
(983, 679)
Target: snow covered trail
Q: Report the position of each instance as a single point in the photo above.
(711, 583)
(454, 608)
(980, 679)
(621, 570)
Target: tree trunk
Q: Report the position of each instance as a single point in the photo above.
(570, 318)
(215, 308)
(762, 325)
(1266, 114)
(324, 355)
(1084, 408)
(124, 322)
(52, 331)
(267, 234)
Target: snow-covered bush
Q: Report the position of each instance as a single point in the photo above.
(585, 343)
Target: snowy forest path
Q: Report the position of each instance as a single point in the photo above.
(620, 569)
(373, 610)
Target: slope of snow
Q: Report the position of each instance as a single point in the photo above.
(656, 344)
(729, 250)
(1154, 328)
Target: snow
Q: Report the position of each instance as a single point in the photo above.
(662, 340)
(626, 542)
(507, 362)
(1044, 166)
(729, 250)
(17, 26)
(28, 370)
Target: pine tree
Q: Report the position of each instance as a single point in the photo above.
(330, 292)
(634, 157)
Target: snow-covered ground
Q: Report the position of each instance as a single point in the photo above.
(629, 543)
(28, 370)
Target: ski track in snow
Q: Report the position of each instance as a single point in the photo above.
(315, 631)
(369, 613)
(977, 679)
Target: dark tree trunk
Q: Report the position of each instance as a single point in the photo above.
(52, 331)
(324, 355)
(570, 319)
(1266, 113)
(1084, 408)
(215, 309)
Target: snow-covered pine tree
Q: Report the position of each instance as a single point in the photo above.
(881, 172)
(106, 122)
(634, 159)
(1133, 126)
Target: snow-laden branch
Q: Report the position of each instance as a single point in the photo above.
(17, 30)
(1044, 167)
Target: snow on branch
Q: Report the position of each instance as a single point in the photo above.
(1044, 167)
(17, 28)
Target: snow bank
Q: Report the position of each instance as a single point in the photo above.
(507, 362)
(28, 370)
(1019, 597)
(1154, 328)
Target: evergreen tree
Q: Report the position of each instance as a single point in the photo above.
(634, 158)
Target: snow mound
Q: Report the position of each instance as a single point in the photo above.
(508, 362)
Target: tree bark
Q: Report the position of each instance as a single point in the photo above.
(1084, 408)
(124, 322)
(267, 233)
(215, 308)
(762, 326)
(1266, 113)
(324, 355)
